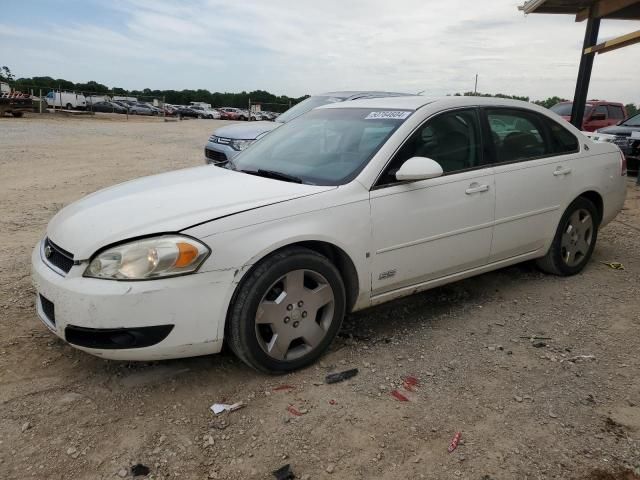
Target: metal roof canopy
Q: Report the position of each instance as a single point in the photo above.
(593, 11)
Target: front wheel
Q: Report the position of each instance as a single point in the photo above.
(287, 311)
(574, 241)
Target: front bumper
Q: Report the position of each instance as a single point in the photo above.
(194, 305)
(216, 153)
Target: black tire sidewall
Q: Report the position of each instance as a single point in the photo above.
(247, 302)
(577, 204)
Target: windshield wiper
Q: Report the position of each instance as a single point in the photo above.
(273, 174)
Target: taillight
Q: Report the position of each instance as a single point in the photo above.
(623, 164)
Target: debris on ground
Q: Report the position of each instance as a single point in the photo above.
(614, 265)
(538, 344)
(410, 382)
(341, 376)
(399, 396)
(578, 358)
(294, 411)
(284, 473)
(332, 402)
(140, 470)
(454, 443)
(218, 408)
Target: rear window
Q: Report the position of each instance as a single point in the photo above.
(564, 109)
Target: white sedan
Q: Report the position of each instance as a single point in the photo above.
(350, 205)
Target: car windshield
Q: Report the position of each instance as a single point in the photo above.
(564, 109)
(305, 106)
(633, 121)
(324, 147)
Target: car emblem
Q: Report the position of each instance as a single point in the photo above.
(48, 251)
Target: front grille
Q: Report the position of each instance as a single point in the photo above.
(622, 141)
(48, 309)
(58, 257)
(215, 156)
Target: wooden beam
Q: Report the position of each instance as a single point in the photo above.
(602, 8)
(615, 43)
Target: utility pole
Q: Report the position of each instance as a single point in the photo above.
(475, 89)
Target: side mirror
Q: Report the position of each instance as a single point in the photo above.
(598, 116)
(419, 168)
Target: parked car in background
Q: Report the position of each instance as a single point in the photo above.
(140, 109)
(627, 136)
(352, 205)
(206, 112)
(226, 142)
(184, 111)
(230, 113)
(68, 100)
(107, 107)
(597, 113)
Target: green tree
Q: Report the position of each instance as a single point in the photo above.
(550, 102)
(631, 109)
(5, 74)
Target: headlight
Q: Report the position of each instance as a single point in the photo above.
(240, 144)
(150, 258)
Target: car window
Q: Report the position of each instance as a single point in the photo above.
(562, 140)
(324, 146)
(615, 111)
(452, 139)
(601, 109)
(517, 135)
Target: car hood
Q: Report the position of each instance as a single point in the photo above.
(163, 203)
(619, 130)
(246, 131)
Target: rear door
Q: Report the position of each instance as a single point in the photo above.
(532, 157)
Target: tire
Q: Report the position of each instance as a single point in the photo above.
(200, 117)
(17, 114)
(572, 245)
(259, 311)
(242, 117)
(69, 106)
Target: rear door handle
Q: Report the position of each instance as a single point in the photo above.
(476, 188)
(561, 171)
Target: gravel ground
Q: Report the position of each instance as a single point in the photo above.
(564, 406)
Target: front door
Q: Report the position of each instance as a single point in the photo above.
(432, 228)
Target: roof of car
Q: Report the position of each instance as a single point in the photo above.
(417, 101)
(353, 94)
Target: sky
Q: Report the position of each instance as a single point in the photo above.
(297, 47)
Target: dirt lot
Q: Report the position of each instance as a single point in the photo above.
(566, 406)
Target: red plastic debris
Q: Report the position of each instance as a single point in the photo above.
(399, 396)
(454, 443)
(332, 402)
(294, 411)
(410, 382)
(283, 387)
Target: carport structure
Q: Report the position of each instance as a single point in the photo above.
(593, 11)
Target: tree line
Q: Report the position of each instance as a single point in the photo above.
(278, 103)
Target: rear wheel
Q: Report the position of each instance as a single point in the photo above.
(574, 241)
(287, 311)
(17, 114)
(69, 106)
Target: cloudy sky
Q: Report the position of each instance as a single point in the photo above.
(296, 47)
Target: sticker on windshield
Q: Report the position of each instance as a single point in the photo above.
(389, 114)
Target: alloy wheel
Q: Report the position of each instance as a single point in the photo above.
(294, 315)
(577, 237)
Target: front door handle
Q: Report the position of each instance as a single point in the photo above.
(476, 188)
(561, 171)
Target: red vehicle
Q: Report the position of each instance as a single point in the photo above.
(229, 113)
(597, 113)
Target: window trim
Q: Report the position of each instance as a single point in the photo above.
(546, 133)
(483, 144)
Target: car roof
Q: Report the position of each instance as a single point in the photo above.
(354, 94)
(416, 101)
